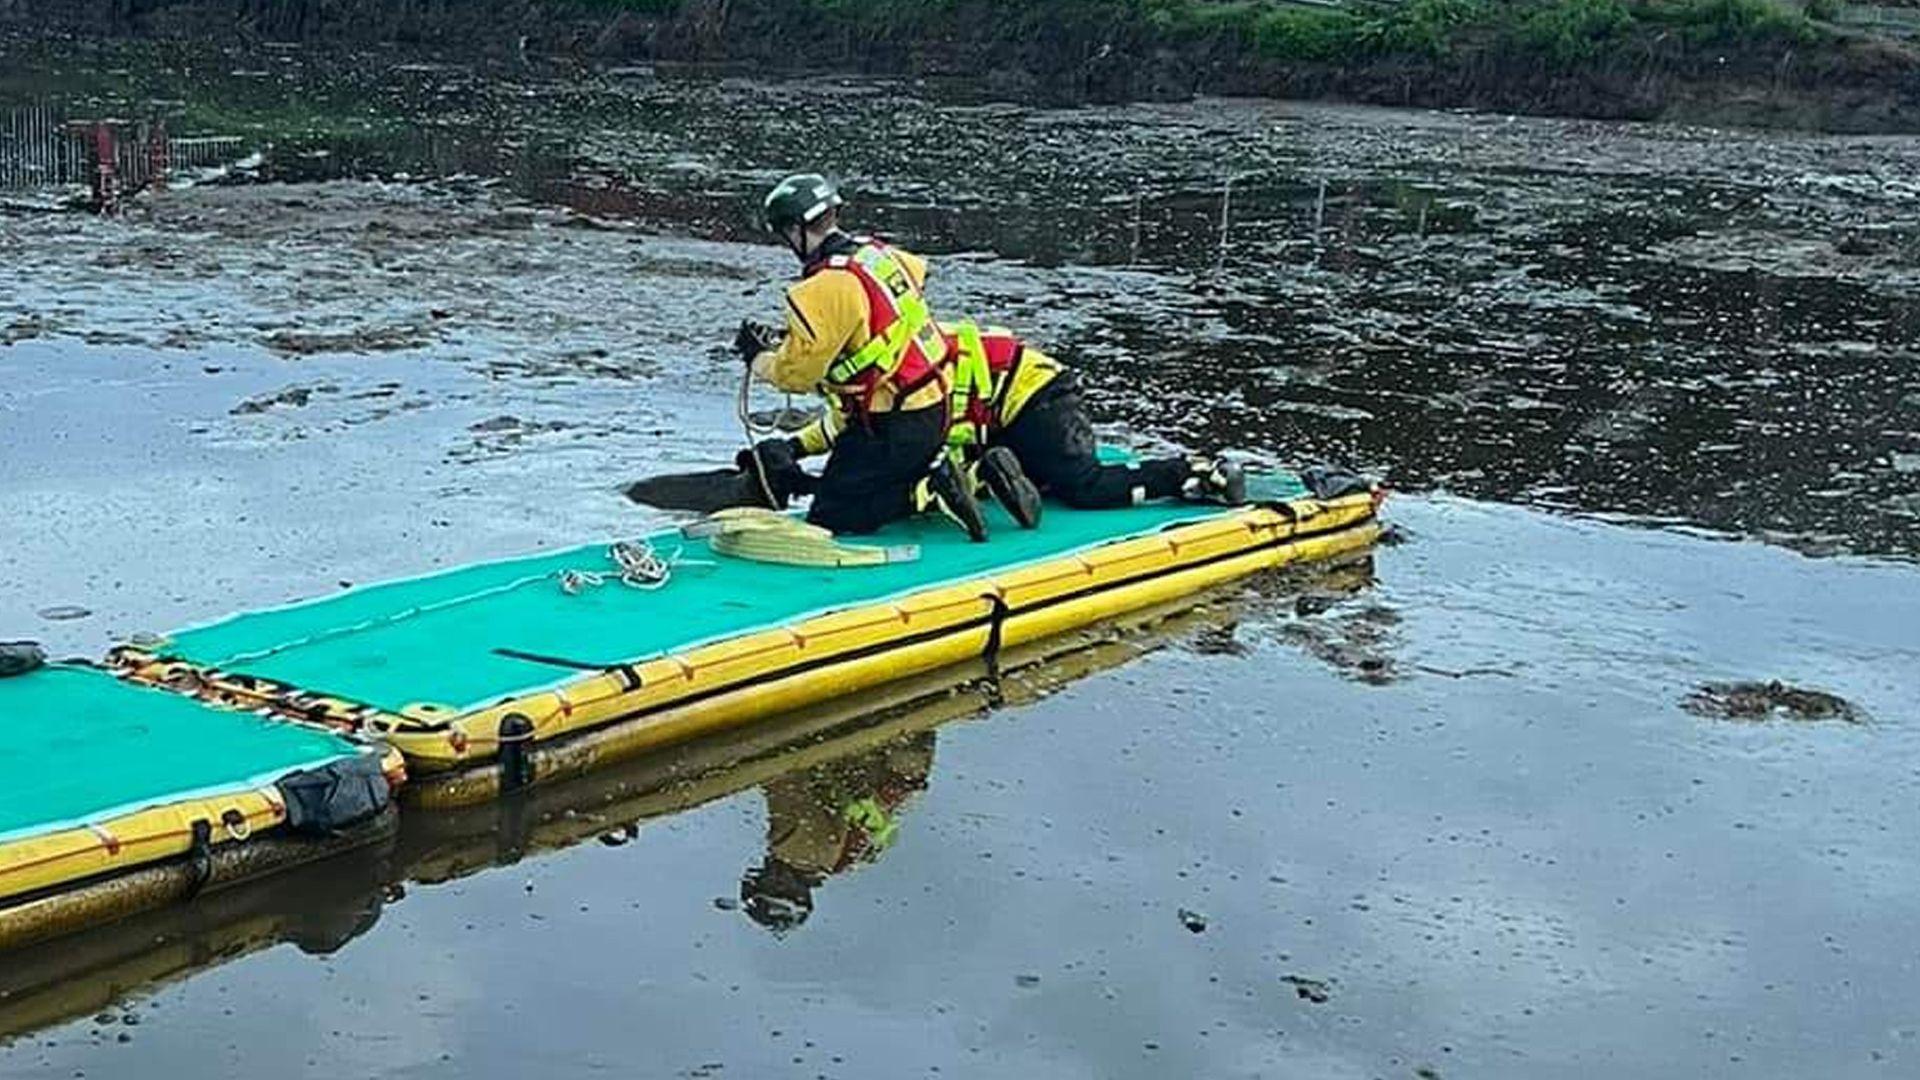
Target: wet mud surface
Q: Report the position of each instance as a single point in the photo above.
(1672, 324)
(1451, 818)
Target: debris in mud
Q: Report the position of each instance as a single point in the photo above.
(1314, 991)
(371, 339)
(65, 612)
(1758, 702)
(1195, 922)
(1026, 982)
(292, 397)
(24, 328)
(512, 429)
(788, 419)
(1315, 603)
(1356, 643)
(1220, 640)
(622, 836)
(726, 903)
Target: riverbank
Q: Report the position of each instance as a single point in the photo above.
(1732, 62)
(1723, 62)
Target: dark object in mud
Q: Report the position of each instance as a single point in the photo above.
(787, 418)
(1314, 991)
(621, 837)
(1758, 702)
(65, 612)
(699, 492)
(1358, 644)
(1194, 921)
(1219, 641)
(20, 657)
(1313, 603)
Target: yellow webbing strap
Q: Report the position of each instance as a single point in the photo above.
(768, 536)
(972, 381)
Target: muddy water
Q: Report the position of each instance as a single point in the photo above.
(1457, 822)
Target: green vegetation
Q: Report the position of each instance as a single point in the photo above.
(1559, 31)
(1563, 31)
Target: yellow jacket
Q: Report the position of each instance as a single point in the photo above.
(1036, 370)
(828, 316)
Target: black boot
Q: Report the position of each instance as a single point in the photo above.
(1000, 470)
(944, 490)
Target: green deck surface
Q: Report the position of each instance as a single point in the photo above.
(435, 639)
(78, 745)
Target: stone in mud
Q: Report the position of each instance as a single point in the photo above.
(293, 397)
(620, 837)
(370, 339)
(65, 612)
(1759, 702)
(1310, 604)
(1194, 921)
(1313, 991)
(1219, 641)
(788, 419)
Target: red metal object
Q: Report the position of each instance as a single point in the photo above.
(159, 156)
(106, 181)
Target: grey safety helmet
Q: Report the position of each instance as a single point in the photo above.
(799, 200)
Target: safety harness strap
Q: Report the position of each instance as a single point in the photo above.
(973, 388)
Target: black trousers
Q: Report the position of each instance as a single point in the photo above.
(1053, 438)
(872, 471)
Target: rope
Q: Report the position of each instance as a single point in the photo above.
(743, 407)
(641, 567)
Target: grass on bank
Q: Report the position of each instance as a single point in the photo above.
(1563, 31)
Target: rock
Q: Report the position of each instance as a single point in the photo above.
(1193, 921)
(1313, 604)
(1313, 991)
(622, 836)
(1758, 702)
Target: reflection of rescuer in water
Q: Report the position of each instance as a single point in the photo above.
(828, 820)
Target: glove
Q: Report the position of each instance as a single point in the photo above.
(754, 338)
